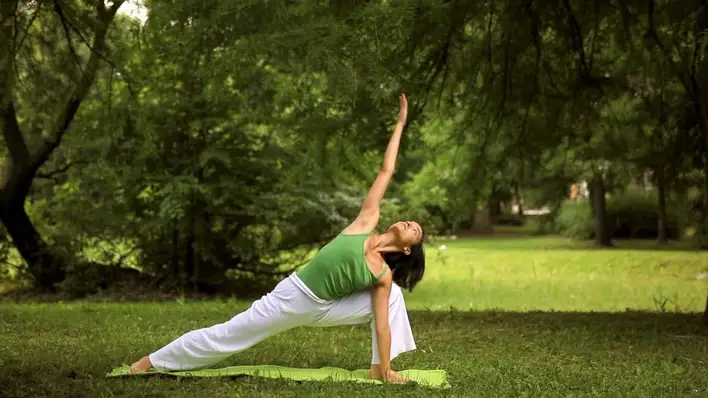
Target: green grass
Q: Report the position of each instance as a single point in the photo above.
(556, 274)
(560, 329)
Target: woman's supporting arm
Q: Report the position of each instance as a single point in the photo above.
(381, 293)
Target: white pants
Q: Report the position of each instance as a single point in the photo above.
(291, 304)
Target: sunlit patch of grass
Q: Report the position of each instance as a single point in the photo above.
(551, 273)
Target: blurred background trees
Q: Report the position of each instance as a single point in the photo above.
(211, 146)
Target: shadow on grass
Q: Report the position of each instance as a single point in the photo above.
(543, 351)
(629, 323)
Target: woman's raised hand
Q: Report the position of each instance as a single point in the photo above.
(403, 113)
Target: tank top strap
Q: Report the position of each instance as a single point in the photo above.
(378, 277)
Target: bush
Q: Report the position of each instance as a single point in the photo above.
(574, 220)
(635, 215)
(546, 224)
(84, 278)
(630, 215)
(510, 219)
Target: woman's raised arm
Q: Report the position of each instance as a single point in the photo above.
(368, 217)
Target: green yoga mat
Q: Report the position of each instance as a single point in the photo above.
(428, 378)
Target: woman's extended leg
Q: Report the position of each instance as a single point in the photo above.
(358, 308)
(284, 308)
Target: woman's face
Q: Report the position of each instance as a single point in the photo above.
(408, 232)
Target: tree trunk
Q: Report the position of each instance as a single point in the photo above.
(704, 221)
(517, 196)
(190, 255)
(494, 209)
(705, 313)
(663, 225)
(702, 227)
(493, 205)
(175, 264)
(602, 231)
(46, 268)
(481, 224)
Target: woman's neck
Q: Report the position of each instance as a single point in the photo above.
(384, 243)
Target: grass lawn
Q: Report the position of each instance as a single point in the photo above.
(556, 274)
(532, 317)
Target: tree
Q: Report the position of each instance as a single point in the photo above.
(23, 25)
(681, 45)
(229, 145)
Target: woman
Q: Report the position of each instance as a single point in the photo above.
(349, 281)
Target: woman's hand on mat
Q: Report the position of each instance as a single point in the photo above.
(403, 113)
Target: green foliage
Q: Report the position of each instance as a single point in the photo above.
(428, 200)
(226, 138)
(443, 192)
(12, 267)
(634, 214)
(218, 149)
(574, 220)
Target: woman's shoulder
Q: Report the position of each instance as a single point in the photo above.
(353, 234)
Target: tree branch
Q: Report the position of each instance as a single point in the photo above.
(535, 27)
(22, 38)
(489, 33)
(62, 169)
(517, 144)
(577, 39)
(62, 17)
(7, 53)
(699, 31)
(595, 32)
(124, 74)
(652, 33)
(61, 125)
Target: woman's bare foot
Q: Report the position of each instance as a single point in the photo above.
(393, 377)
(141, 366)
(375, 373)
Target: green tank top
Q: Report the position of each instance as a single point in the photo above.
(339, 268)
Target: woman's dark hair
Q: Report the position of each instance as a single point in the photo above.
(407, 269)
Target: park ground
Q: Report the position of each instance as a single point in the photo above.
(509, 316)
